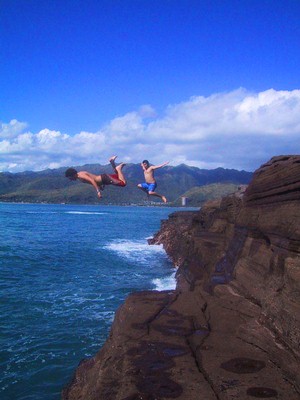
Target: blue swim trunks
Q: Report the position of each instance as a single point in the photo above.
(150, 187)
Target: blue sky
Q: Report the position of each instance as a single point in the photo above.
(209, 83)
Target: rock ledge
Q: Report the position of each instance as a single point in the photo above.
(231, 329)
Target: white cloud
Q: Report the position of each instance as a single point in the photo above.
(239, 129)
(272, 112)
(12, 129)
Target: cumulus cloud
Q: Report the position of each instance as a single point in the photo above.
(238, 129)
(12, 129)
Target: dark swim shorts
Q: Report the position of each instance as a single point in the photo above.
(150, 187)
(107, 179)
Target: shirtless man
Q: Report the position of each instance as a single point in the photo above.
(150, 185)
(99, 181)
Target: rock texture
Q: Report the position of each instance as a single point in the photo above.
(231, 329)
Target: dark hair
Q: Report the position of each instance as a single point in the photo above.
(70, 172)
(146, 162)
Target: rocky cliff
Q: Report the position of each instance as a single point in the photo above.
(231, 329)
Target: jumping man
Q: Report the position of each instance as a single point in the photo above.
(150, 185)
(99, 181)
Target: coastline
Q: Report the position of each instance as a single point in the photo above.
(64, 272)
(237, 339)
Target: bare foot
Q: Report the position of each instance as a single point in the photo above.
(112, 158)
(164, 199)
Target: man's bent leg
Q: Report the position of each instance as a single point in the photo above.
(158, 195)
(120, 173)
(143, 189)
(113, 164)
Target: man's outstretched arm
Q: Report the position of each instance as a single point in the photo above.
(161, 165)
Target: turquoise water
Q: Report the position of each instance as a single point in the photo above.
(64, 270)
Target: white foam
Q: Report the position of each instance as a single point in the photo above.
(41, 212)
(85, 212)
(166, 283)
(141, 253)
(134, 249)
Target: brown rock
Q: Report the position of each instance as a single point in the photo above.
(231, 329)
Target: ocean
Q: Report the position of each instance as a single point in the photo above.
(64, 270)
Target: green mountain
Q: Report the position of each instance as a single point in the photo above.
(51, 186)
(197, 196)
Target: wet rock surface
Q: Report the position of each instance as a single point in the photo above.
(231, 329)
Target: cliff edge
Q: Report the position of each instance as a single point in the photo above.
(231, 329)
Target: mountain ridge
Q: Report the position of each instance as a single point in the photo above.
(51, 186)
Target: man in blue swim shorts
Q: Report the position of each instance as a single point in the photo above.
(150, 185)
